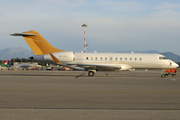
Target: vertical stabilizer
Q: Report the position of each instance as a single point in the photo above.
(5, 63)
(37, 43)
(9, 63)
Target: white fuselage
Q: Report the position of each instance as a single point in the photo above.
(133, 60)
(124, 61)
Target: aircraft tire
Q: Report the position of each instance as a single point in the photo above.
(163, 76)
(173, 75)
(90, 74)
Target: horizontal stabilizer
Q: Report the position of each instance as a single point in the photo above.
(23, 34)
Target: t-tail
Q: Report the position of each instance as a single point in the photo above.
(37, 43)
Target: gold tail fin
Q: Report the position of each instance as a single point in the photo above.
(37, 43)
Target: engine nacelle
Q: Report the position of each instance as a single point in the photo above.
(61, 56)
(125, 67)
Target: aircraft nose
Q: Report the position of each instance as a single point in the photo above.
(172, 64)
(176, 65)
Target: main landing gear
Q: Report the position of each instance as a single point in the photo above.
(91, 73)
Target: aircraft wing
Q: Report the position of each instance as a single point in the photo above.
(95, 66)
(75, 67)
(99, 66)
(117, 66)
(105, 67)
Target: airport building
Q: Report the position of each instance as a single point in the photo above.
(27, 65)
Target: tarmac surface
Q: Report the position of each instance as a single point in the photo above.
(74, 95)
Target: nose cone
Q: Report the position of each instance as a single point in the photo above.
(174, 65)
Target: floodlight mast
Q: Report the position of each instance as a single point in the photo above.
(87, 47)
(84, 25)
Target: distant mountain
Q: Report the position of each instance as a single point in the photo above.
(18, 52)
(169, 55)
(172, 56)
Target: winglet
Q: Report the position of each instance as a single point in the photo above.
(55, 60)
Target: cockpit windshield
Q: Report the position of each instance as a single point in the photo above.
(162, 58)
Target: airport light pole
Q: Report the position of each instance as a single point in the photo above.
(84, 25)
(87, 47)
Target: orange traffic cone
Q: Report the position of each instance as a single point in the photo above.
(106, 73)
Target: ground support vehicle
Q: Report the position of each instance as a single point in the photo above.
(168, 72)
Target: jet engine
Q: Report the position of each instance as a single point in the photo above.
(61, 56)
(125, 67)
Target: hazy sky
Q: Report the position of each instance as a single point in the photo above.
(113, 25)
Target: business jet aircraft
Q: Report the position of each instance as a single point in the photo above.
(92, 62)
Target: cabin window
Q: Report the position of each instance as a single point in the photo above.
(130, 59)
(116, 58)
(162, 58)
(140, 59)
(120, 58)
(101, 58)
(135, 59)
(125, 58)
(96, 58)
(86, 58)
(91, 58)
(105, 58)
(110, 58)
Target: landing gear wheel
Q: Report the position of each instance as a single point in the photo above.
(173, 75)
(163, 75)
(91, 74)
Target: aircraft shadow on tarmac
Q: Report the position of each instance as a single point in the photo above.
(76, 76)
